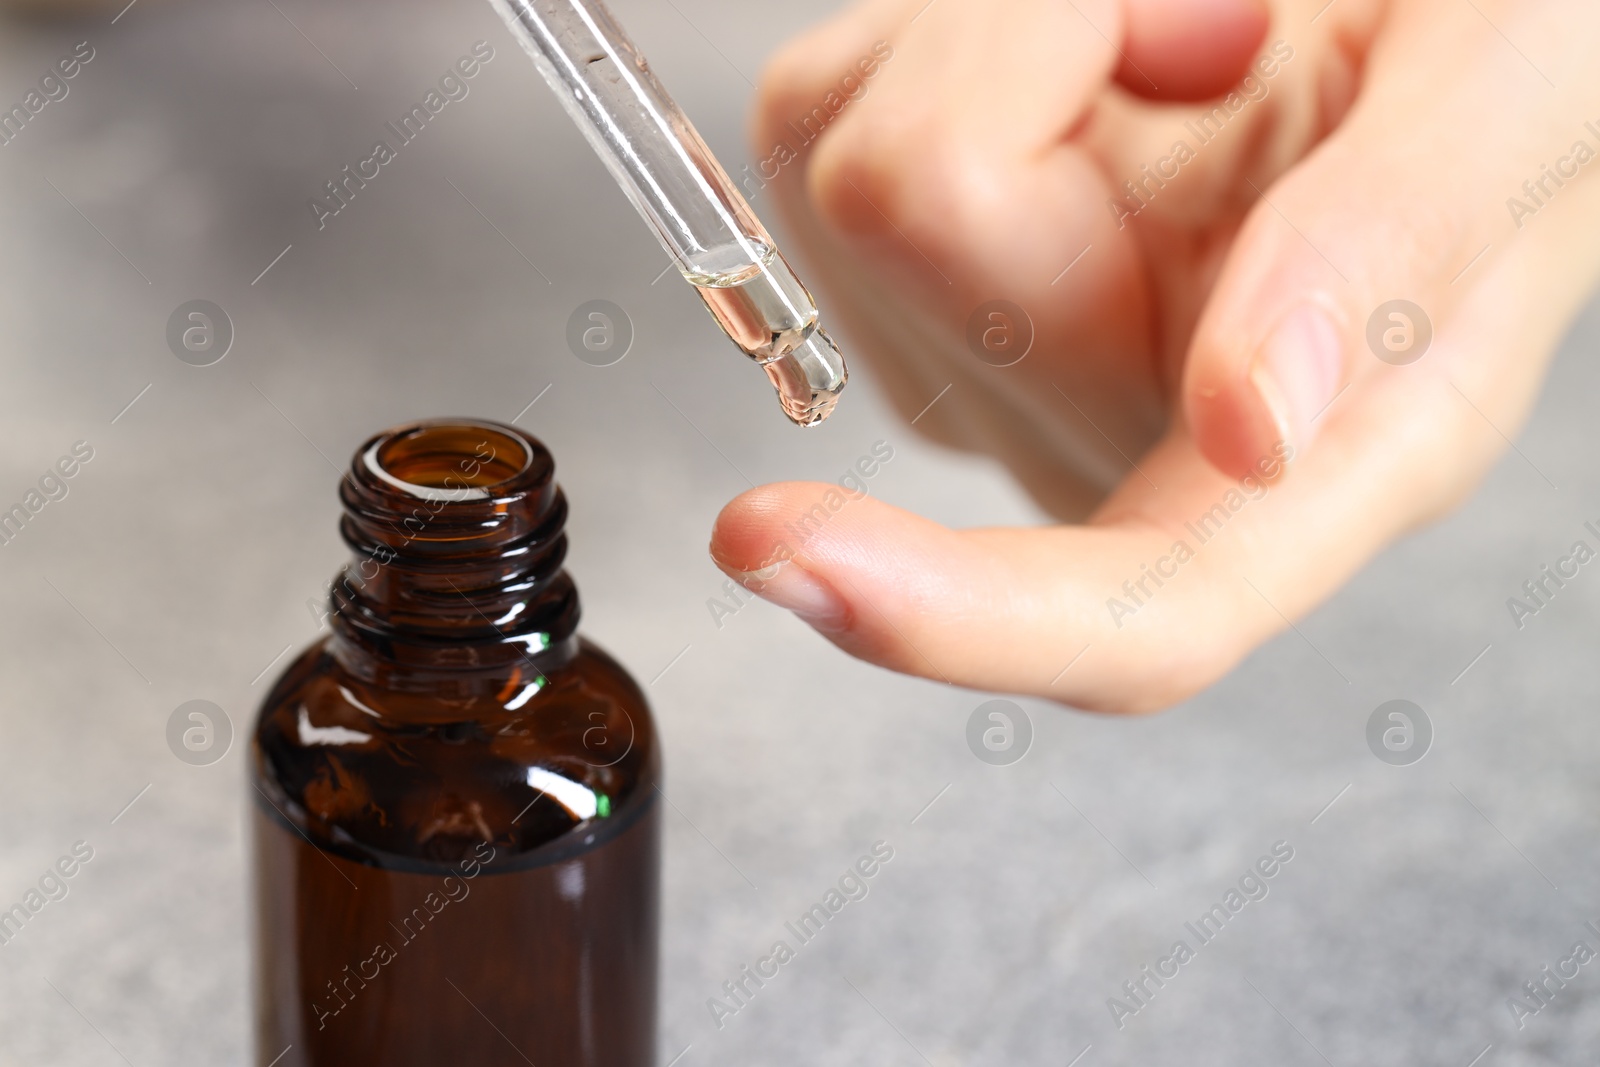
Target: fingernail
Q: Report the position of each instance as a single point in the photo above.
(795, 589)
(1297, 372)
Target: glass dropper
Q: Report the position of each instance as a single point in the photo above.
(682, 192)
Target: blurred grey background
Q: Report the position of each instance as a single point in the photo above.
(1019, 898)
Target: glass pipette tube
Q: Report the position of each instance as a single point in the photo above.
(682, 192)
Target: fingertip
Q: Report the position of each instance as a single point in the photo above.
(1271, 351)
(1234, 425)
(809, 548)
(1190, 49)
(747, 535)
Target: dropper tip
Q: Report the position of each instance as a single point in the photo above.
(809, 379)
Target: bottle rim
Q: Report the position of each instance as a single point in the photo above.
(439, 461)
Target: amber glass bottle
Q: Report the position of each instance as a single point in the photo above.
(456, 821)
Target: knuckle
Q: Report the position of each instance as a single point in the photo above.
(781, 87)
(872, 174)
(1368, 229)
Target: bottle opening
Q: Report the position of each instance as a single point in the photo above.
(449, 487)
(448, 461)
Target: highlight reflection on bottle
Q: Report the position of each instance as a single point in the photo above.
(456, 827)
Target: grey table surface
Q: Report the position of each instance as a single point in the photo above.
(180, 564)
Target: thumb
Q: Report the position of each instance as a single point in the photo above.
(1348, 262)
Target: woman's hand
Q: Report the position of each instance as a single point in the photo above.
(1211, 288)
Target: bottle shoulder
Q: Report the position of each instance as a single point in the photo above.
(425, 773)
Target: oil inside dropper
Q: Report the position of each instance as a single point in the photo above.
(768, 313)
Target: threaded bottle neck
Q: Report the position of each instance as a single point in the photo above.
(456, 529)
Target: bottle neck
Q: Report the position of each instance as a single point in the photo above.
(456, 531)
